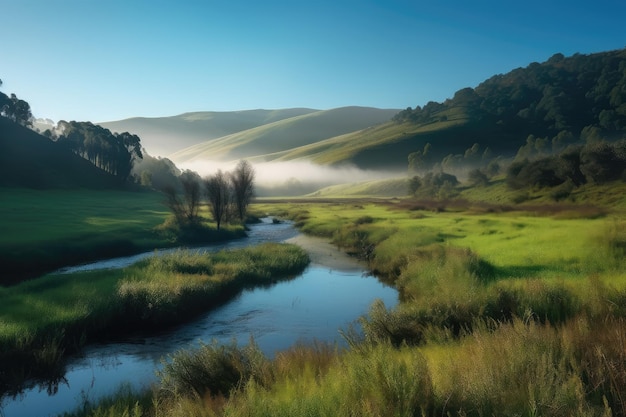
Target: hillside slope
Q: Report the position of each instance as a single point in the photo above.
(286, 134)
(544, 107)
(165, 135)
(28, 159)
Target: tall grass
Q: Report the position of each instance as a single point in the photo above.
(512, 313)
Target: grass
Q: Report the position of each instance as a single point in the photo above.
(42, 319)
(46, 229)
(510, 312)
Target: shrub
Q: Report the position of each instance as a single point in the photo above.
(210, 369)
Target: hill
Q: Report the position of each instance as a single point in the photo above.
(286, 134)
(543, 107)
(392, 187)
(28, 159)
(165, 135)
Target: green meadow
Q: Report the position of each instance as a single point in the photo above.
(46, 229)
(504, 311)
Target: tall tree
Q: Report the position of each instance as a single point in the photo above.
(17, 110)
(217, 189)
(114, 153)
(242, 179)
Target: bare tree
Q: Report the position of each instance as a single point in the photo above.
(185, 208)
(190, 181)
(174, 203)
(217, 189)
(242, 179)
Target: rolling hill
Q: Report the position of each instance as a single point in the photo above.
(165, 135)
(286, 134)
(28, 159)
(544, 108)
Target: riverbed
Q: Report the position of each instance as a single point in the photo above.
(328, 296)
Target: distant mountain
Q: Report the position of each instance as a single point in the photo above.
(166, 135)
(28, 159)
(286, 134)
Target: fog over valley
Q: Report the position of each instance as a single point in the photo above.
(294, 177)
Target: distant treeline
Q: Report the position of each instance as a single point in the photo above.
(114, 153)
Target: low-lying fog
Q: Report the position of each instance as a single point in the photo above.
(291, 178)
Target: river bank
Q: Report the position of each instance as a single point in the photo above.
(312, 307)
(45, 319)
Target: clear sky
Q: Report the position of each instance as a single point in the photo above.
(102, 60)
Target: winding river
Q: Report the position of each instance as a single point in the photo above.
(329, 295)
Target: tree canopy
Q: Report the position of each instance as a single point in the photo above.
(544, 99)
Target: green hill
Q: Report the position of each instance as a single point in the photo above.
(165, 135)
(559, 102)
(392, 187)
(28, 159)
(286, 134)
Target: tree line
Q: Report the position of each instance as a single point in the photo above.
(114, 153)
(227, 195)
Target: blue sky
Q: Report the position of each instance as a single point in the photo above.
(107, 60)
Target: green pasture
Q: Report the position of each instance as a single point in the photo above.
(32, 217)
(42, 230)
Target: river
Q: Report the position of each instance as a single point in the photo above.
(328, 296)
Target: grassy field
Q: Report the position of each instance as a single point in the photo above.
(42, 319)
(47, 229)
(43, 230)
(504, 311)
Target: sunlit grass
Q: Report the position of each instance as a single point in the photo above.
(512, 313)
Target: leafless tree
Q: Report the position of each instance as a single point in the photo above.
(190, 182)
(242, 179)
(185, 207)
(218, 194)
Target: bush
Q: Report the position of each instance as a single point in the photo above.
(210, 369)
(602, 162)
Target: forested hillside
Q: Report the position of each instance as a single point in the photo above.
(28, 159)
(544, 106)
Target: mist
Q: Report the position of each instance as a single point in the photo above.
(292, 178)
